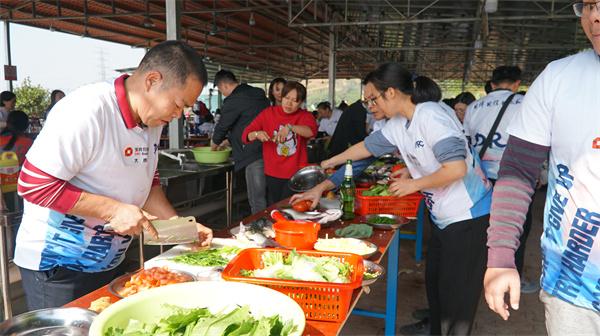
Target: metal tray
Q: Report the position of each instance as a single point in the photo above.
(53, 321)
(400, 221)
(306, 178)
(118, 284)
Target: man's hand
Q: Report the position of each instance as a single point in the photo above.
(327, 164)
(497, 282)
(130, 220)
(205, 235)
(313, 195)
(214, 146)
(403, 186)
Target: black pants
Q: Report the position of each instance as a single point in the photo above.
(277, 189)
(59, 286)
(456, 263)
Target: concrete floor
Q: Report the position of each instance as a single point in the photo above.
(529, 320)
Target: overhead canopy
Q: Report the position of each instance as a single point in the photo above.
(261, 39)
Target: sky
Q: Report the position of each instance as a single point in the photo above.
(63, 61)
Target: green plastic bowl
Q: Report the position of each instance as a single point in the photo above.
(206, 155)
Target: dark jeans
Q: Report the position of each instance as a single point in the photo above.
(256, 186)
(456, 262)
(59, 286)
(277, 189)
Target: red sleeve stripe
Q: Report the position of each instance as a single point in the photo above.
(156, 179)
(45, 190)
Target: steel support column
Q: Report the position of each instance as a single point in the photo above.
(331, 75)
(173, 17)
(7, 50)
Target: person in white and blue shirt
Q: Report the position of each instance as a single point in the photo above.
(441, 165)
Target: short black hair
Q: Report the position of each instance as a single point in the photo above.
(176, 60)
(506, 73)
(324, 104)
(6, 96)
(300, 90)
(465, 98)
(488, 86)
(224, 76)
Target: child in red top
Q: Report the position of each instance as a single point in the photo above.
(12, 137)
(284, 131)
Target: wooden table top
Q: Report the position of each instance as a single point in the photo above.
(381, 238)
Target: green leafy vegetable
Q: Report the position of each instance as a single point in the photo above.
(211, 257)
(381, 220)
(296, 266)
(201, 322)
(369, 275)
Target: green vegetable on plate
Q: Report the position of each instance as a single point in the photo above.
(381, 220)
(208, 258)
(200, 321)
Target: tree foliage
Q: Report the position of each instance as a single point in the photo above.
(32, 99)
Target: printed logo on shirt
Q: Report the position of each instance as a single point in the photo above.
(419, 144)
(288, 147)
(480, 139)
(136, 155)
(128, 151)
(596, 143)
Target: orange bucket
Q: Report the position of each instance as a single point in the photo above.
(295, 233)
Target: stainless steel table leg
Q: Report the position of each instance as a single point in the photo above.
(6, 300)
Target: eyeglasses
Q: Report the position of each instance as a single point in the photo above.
(585, 8)
(372, 101)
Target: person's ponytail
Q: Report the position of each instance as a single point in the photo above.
(425, 90)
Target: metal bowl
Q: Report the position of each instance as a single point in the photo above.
(400, 221)
(372, 267)
(118, 284)
(306, 178)
(52, 321)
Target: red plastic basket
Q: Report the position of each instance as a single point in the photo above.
(323, 301)
(406, 206)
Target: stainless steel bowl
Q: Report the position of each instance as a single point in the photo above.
(52, 321)
(118, 284)
(399, 221)
(306, 178)
(372, 267)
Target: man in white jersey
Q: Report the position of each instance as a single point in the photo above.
(95, 163)
(559, 117)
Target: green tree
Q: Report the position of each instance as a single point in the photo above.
(32, 99)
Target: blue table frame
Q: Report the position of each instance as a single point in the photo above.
(391, 297)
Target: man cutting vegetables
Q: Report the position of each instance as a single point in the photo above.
(95, 163)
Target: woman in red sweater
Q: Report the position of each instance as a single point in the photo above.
(284, 131)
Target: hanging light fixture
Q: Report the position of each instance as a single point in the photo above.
(251, 21)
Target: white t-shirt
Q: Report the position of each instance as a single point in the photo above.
(85, 141)
(480, 117)
(379, 124)
(562, 110)
(465, 199)
(328, 125)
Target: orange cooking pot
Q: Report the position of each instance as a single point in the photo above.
(298, 234)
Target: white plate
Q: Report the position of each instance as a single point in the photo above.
(147, 306)
(199, 272)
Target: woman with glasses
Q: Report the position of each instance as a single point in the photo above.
(559, 120)
(284, 131)
(441, 166)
